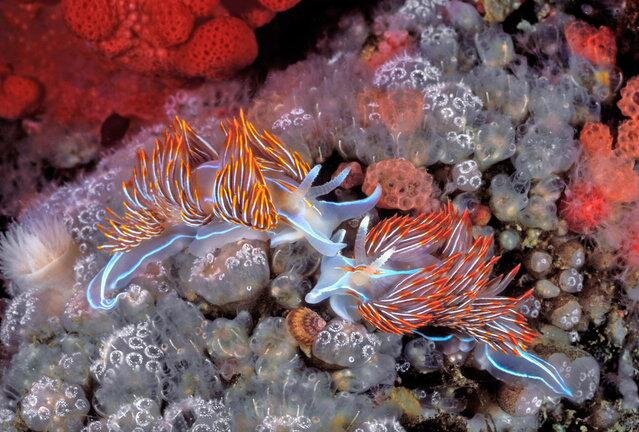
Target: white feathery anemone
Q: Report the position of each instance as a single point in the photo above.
(38, 253)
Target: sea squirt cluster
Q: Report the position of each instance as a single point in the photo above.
(426, 223)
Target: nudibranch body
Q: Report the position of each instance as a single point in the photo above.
(427, 271)
(185, 195)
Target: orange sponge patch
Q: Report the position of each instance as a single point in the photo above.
(19, 96)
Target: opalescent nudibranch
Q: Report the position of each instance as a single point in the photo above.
(410, 272)
(186, 196)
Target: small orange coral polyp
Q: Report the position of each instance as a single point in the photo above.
(584, 208)
(628, 138)
(596, 138)
(614, 176)
(596, 45)
(19, 96)
(404, 187)
(629, 102)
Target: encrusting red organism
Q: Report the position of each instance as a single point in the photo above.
(92, 20)
(355, 175)
(628, 138)
(595, 138)
(629, 102)
(596, 45)
(278, 5)
(584, 208)
(19, 96)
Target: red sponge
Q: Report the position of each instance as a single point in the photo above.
(19, 96)
(217, 48)
(92, 20)
(202, 8)
(279, 5)
(171, 21)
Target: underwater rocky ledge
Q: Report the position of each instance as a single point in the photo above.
(428, 223)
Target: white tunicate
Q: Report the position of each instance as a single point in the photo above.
(508, 196)
(341, 340)
(229, 339)
(195, 414)
(406, 72)
(54, 405)
(546, 289)
(581, 375)
(378, 370)
(502, 91)
(464, 16)
(217, 276)
(542, 150)
(626, 380)
(539, 262)
(567, 315)
(570, 280)
(423, 355)
(509, 239)
(466, 176)
(452, 109)
(422, 11)
(439, 44)
(529, 401)
(495, 142)
(549, 188)
(539, 213)
(495, 48)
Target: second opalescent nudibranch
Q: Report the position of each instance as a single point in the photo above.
(186, 196)
(412, 272)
